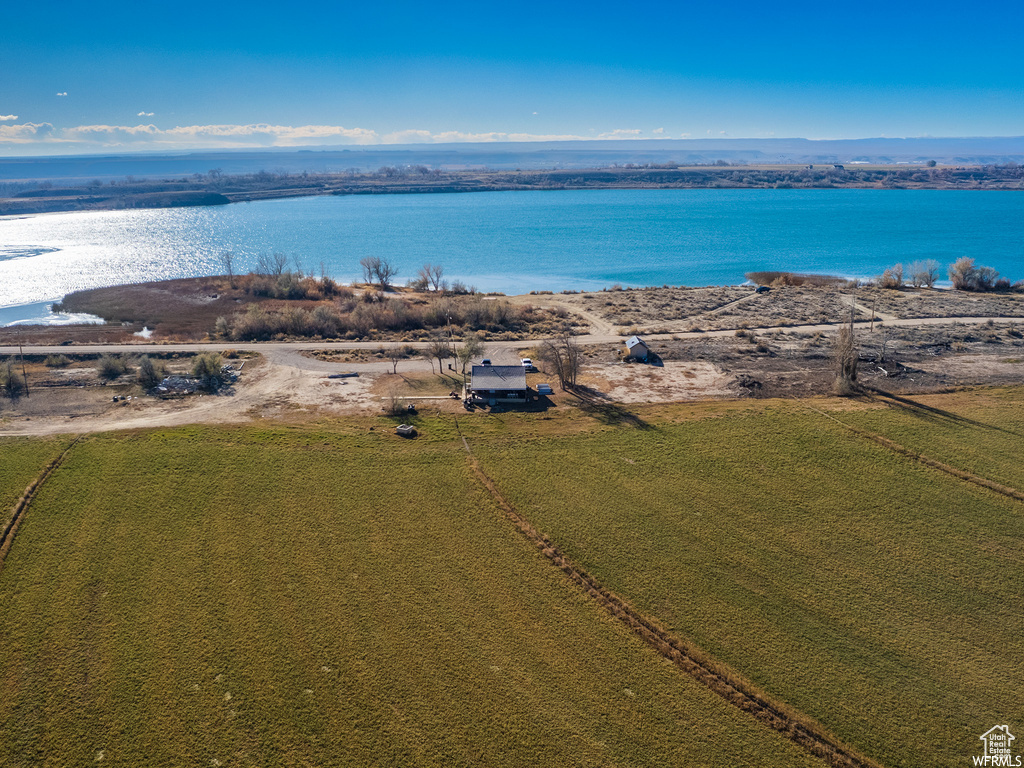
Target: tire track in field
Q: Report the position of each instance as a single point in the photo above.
(690, 659)
(928, 461)
(21, 507)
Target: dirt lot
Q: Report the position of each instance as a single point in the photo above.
(920, 302)
(281, 385)
(668, 310)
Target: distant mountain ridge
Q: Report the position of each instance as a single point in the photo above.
(525, 156)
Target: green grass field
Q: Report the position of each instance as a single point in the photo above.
(291, 596)
(883, 598)
(983, 434)
(21, 462)
(333, 595)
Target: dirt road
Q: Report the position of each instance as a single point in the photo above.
(497, 350)
(286, 383)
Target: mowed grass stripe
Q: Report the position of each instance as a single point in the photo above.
(873, 593)
(288, 597)
(718, 678)
(982, 433)
(9, 529)
(21, 462)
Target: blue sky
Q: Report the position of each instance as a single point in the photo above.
(120, 76)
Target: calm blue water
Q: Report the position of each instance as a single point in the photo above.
(520, 241)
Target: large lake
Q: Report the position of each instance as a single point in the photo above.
(519, 241)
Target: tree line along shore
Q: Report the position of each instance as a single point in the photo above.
(216, 188)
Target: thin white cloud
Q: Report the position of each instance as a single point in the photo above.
(685, 135)
(63, 93)
(256, 135)
(658, 130)
(150, 137)
(8, 117)
(621, 133)
(144, 114)
(535, 113)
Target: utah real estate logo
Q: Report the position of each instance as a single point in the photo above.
(997, 751)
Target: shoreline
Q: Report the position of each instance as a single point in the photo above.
(225, 190)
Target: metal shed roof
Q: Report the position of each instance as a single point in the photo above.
(498, 377)
(632, 341)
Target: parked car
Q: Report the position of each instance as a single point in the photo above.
(528, 365)
(544, 389)
(485, 361)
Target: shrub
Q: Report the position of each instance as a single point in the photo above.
(12, 383)
(57, 361)
(209, 369)
(892, 278)
(149, 374)
(965, 276)
(961, 274)
(395, 406)
(111, 367)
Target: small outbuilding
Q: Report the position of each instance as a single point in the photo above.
(636, 348)
(493, 384)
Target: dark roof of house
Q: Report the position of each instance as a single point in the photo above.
(632, 341)
(498, 377)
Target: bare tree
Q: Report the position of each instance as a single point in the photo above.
(472, 346)
(845, 358)
(377, 269)
(384, 272)
(426, 353)
(271, 265)
(394, 354)
(227, 260)
(439, 349)
(563, 355)
(431, 275)
(369, 265)
(924, 273)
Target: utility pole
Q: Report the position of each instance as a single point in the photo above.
(21, 352)
(873, 315)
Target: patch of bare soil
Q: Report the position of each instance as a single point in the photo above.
(648, 306)
(671, 382)
(267, 388)
(673, 310)
(924, 302)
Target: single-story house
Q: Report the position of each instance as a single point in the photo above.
(494, 384)
(636, 348)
